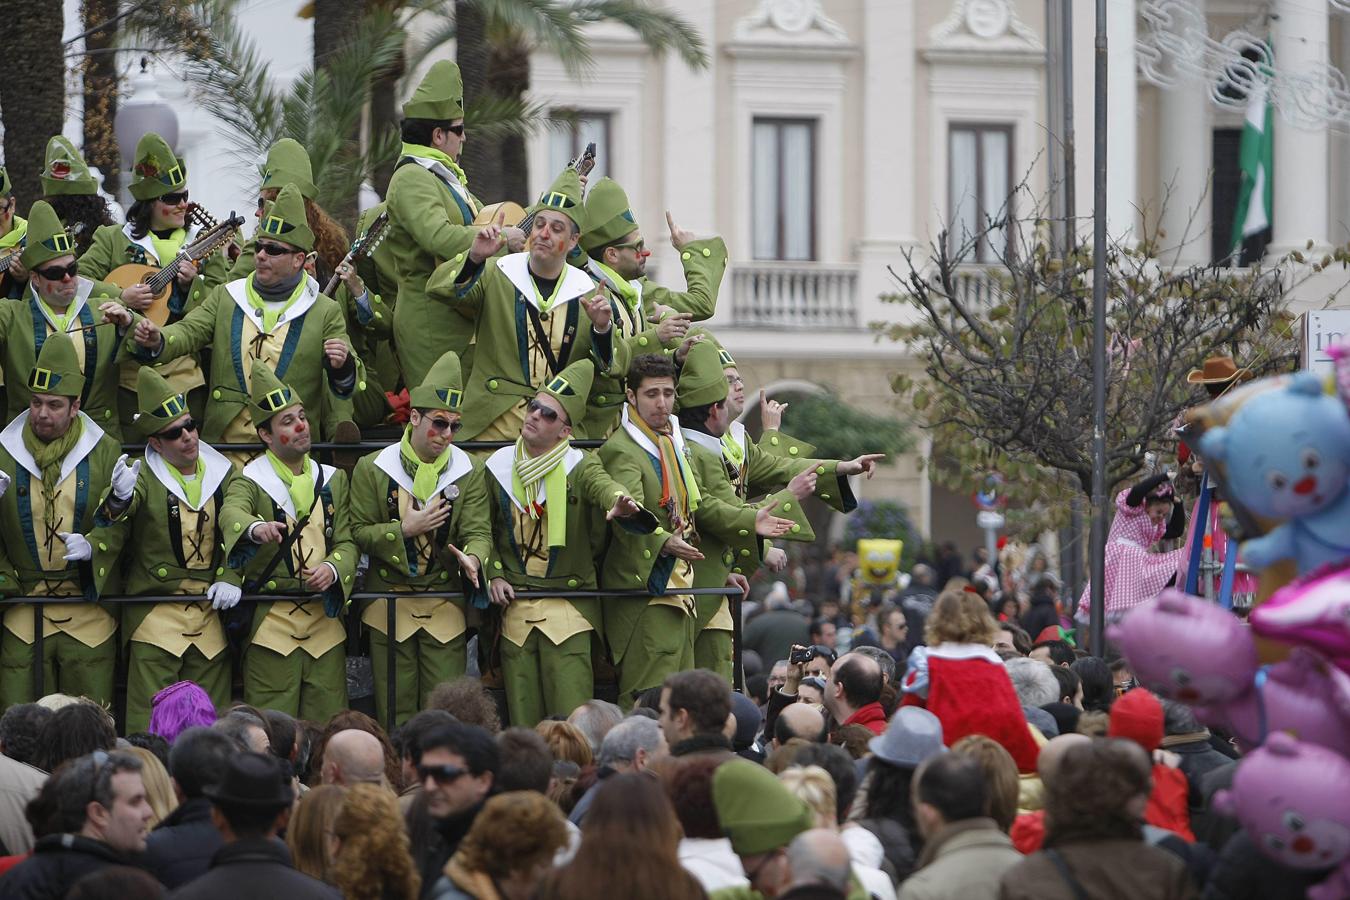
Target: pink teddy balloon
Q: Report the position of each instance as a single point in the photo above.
(1293, 799)
(1189, 650)
(1312, 612)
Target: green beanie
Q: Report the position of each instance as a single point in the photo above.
(57, 370)
(158, 405)
(608, 215)
(442, 388)
(440, 96)
(563, 196)
(571, 387)
(755, 810)
(267, 395)
(65, 172)
(702, 380)
(288, 163)
(157, 171)
(47, 237)
(286, 220)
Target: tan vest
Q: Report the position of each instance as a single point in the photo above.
(506, 427)
(287, 625)
(177, 626)
(557, 619)
(439, 617)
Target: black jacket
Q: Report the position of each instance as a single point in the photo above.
(58, 861)
(254, 868)
(182, 846)
(446, 835)
(1040, 615)
(1245, 873)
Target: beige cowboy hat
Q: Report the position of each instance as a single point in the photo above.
(1218, 370)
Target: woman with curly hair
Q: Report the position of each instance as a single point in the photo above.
(507, 851)
(566, 741)
(371, 858)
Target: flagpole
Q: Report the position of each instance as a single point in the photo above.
(1097, 548)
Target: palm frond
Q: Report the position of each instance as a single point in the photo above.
(435, 35)
(660, 29)
(551, 24)
(494, 117)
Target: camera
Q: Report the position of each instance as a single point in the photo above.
(800, 655)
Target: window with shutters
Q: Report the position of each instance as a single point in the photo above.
(979, 178)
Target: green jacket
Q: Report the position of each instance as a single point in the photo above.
(218, 323)
(378, 533)
(499, 296)
(113, 246)
(21, 323)
(430, 222)
(146, 537)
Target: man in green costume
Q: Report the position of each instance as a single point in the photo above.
(546, 643)
(647, 316)
(431, 215)
(163, 517)
(705, 418)
(54, 461)
(13, 229)
(420, 514)
(528, 310)
(295, 660)
(771, 440)
(60, 304)
(648, 454)
(275, 316)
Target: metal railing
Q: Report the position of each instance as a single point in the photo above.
(794, 295)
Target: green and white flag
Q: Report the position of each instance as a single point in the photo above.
(1255, 157)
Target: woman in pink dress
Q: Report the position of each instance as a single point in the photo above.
(1147, 513)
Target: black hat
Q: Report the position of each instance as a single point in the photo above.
(253, 781)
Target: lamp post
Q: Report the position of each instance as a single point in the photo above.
(143, 111)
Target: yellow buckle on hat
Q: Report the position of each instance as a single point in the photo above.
(42, 379)
(172, 408)
(59, 243)
(450, 397)
(276, 399)
(275, 225)
(173, 176)
(557, 200)
(560, 385)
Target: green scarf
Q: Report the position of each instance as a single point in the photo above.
(48, 456)
(18, 230)
(733, 450)
(425, 475)
(526, 473)
(300, 487)
(679, 490)
(625, 287)
(439, 156)
(270, 312)
(60, 321)
(192, 490)
(167, 248)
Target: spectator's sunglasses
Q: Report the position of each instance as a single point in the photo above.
(444, 774)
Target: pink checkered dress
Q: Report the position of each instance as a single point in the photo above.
(1133, 574)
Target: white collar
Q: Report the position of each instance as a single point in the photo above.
(147, 243)
(260, 471)
(215, 468)
(737, 432)
(435, 166)
(676, 434)
(503, 462)
(307, 298)
(83, 288)
(575, 283)
(706, 441)
(387, 461)
(964, 651)
(12, 440)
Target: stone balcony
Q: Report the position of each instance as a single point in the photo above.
(795, 296)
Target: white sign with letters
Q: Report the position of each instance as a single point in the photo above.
(1322, 330)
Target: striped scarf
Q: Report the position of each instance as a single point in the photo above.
(526, 474)
(680, 495)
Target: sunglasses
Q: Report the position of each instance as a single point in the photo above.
(267, 249)
(444, 774)
(534, 406)
(636, 246)
(57, 273)
(173, 199)
(456, 130)
(438, 424)
(174, 433)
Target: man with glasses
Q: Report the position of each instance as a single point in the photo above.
(457, 767)
(545, 494)
(275, 316)
(165, 511)
(294, 660)
(420, 513)
(431, 215)
(647, 316)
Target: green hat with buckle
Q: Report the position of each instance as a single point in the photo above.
(754, 809)
(563, 196)
(57, 370)
(571, 387)
(157, 171)
(442, 388)
(47, 237)
(702, 380)
(267, 395)
(440, 96)
(64, 172)
(158, 405)
(286, 221)
(608, 215)
(288, 163)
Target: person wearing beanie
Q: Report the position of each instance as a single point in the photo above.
(164, 516)
(54, 463)
(294, 657)
(431, 214)
(155, 232)
(13, 230)
(61, 302)
(419, 511)
(705, 418)
(534, 313)
(1137, 716)
(275, 316)
(647, 316)
(543, 496)
(73, 191)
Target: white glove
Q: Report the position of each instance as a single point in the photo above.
(4, 483)
(223, 595)
(124, 477)
(77, 547)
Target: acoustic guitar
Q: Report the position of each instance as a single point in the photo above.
(161, 280)
(362, 247)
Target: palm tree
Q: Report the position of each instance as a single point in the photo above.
(33, 92)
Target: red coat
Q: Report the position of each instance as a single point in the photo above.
(872, 717)
(1166, 809)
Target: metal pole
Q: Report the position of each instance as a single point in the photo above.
(1054, 110)
(1097, 623)
(1066, 92)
